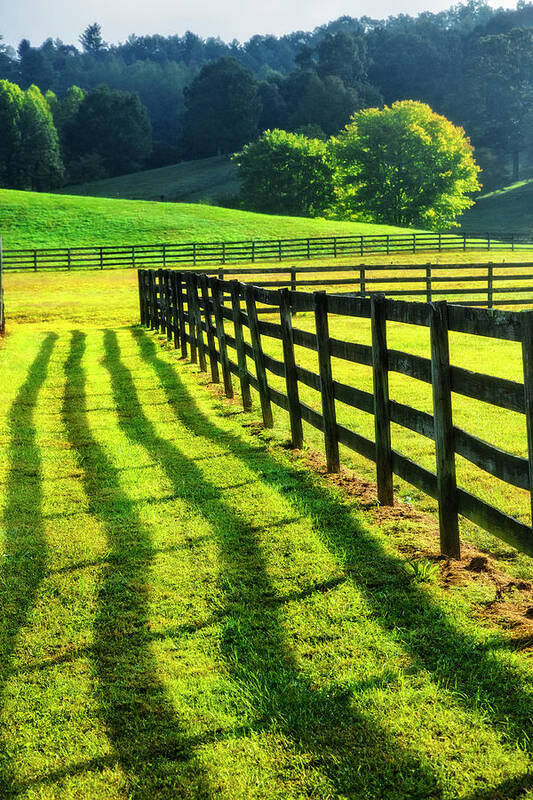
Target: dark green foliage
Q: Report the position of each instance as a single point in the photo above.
(91, 39)
(112, 126)
(286, 173)
(222, 109)
(29, 145)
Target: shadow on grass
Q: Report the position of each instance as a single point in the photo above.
(145, 734)
(457, 661)
(24, 557)
(349, 752)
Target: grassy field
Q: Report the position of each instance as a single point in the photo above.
(188, 612)
(29, 219)
(189, 182)
(507, 210)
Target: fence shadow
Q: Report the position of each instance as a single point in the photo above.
(257, 655)
(146, 735)
(480, 681)
(24, 562)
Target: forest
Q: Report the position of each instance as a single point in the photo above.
(98, 109)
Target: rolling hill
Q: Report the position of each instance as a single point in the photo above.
(508, 210)
(30, 219)
(207, 179)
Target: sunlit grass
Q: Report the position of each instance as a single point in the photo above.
(187, 612)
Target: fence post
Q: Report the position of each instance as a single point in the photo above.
(428, 283)
(361, 244)
(35, 260)
(213, 361)
(362, 284)
(101, 258)
(490, 286)
(199, 325)
(191, 317)
(217, 294)
(155, 300)
(264, 392)
(388, 244)
(440, 242)
(527, 358)
(194, 253)
(444, 432)
(326, 381)
(464, 242)
(240, 346)
(173, 276)
(414, 242)
(68, 259)
(181, 313)
(2, 313)
(169, 304)
(164, 255)
(162, 314)
(334, 247)
(291, 375)
(380, 374)
(279, 250)
(141, 297)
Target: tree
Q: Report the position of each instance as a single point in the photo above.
(91, 39)
(11, 102)
(113, 125)
(325, 102)
(39, 160)
(286, 173)
(343, 55)
(222, 109)
(404, 165)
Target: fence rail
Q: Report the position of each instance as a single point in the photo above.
(194, 253)
(182, 305)
(490, 284)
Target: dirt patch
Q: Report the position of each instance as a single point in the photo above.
(512, 606)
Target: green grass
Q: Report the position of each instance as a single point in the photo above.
(206, 179)
(188, 612)
(29, 219)
(509, 210)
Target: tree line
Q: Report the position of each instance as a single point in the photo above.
(471, 63)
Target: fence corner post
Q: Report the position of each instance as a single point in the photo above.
(444, 431)
(380, 374)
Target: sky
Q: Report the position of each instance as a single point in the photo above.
(230, 19)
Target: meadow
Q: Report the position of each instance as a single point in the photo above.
(188, 611)
(31, 219)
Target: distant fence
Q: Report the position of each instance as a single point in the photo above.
(190, 308)
(194, 253)
(473, 284)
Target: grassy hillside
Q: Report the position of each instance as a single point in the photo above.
(189, 182)
(29, 219)
(508, 209)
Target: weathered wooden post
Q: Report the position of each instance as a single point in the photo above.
(240, 346)
(380, 371)
(213, 361)
(264, 391)
(526, 318)
(217, 294)
(327, 391)
(444, 432)
(2, 307)
(291, 375)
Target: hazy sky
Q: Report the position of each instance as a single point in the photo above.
(65, 19)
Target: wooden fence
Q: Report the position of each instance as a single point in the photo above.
(194, 253)
(190, 309)
(484, 284)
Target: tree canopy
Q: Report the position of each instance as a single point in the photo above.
(286, 173)
(405, 165)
